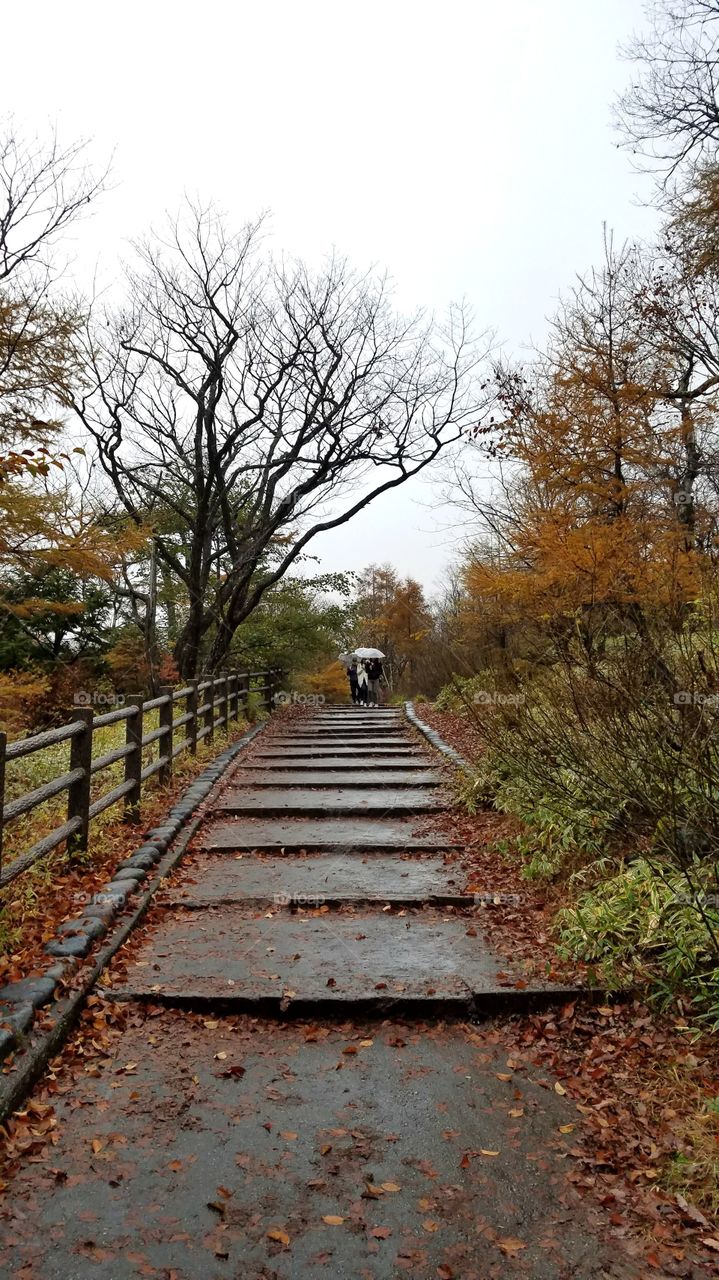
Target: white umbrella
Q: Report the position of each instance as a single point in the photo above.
(345, 659)
(367, 653)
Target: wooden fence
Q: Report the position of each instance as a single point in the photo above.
(209, 705)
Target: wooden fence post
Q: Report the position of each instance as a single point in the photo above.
(3, 744)
(225, 703)
(233, 701)
(167, 715)
(78, 793)
(192, 712)
(243, 689)
(269, 690)
(133, 759)
(210, 713)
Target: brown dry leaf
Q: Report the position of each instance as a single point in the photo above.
(381, 1233)
(372, 1191)
(510, 1245)
(288, 1135)
(502, 1075)
(221, 1055)
(566, 1128)
(711, 1242)
(366, 1044)
(97, 1145)
(351, 1048)
(429, 1224)
(391, 1186)
(276, 1234)
(175, 1166)
(517, 1111)
(484, 1152)
(559, 1088)
(333, 1220)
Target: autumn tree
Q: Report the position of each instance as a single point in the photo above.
(393, 615)
(669, 115)
(265, 404)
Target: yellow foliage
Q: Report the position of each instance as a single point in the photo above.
(20, 694)
(331, 683)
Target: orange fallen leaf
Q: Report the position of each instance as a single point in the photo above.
(381, 1233)
(288, 1135)
(391, 1186)
(510, 1245)
(484, 1152)
(366, 1044)
(502, 1075)
(333, 1220)
(515, 1112)
(281, 1236)
(566, 1128)
(429, 1224)
(559, 1088)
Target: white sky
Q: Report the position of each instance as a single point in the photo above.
(465, 146)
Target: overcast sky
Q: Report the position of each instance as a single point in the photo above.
(465, 146)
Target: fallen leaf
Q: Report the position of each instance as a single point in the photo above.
(566, 1128)
(510, 1245)
(333, 1220)
(288, 1135)
(281, 1236)
(430, 1225)
(391, 1186)
(559, 1088)
(381, 1233)
(483, 1152)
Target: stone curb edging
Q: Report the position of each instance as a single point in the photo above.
(74, 938)
(432, 736)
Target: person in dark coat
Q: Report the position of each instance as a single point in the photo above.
(352, 675)
(374, 675)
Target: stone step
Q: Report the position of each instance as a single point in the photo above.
(361, 960)
(349, 764)
(329, 878)
(337, 834)
(349, 777)
(327, 801)
(334, 749)
(335, 739)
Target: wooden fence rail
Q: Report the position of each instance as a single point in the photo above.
(210, 704)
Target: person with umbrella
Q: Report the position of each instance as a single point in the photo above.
(372, 663)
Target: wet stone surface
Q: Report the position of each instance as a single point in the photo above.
(328, 878)
(328, 800)
(319, 833)
(225, 1148)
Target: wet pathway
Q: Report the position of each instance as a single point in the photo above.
(305, 1085)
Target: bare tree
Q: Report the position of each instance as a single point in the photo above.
(43, 188)
(670, 113)
(243, 406)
